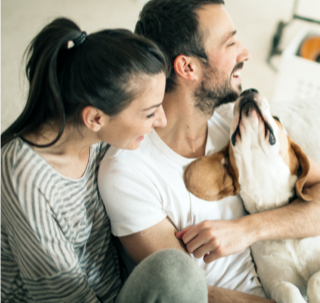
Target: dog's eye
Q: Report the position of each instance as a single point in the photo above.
(276, 118)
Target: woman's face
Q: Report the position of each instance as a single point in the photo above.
(127, 129)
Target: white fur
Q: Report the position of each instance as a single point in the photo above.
(288, 269)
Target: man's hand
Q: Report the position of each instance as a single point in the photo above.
(161, 236)
(216, 239)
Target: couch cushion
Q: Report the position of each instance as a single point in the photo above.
(302, 122)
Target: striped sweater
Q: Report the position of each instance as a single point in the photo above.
(55, 235)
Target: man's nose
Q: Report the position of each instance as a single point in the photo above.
(244, 54)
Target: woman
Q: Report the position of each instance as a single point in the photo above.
(105, 87)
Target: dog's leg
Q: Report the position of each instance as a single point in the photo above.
(286, 292)
(278, 271)
(313, 291)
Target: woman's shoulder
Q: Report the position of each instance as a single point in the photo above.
(20, 164)
(18, 157)
(15, 154)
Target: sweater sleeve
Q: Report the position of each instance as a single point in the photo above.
(55, 236)
(47, 261)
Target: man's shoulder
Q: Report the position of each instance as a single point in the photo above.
(119, 161)
(118, 155)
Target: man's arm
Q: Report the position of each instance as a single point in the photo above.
(216, 294)
(298, 219)
(162, 236)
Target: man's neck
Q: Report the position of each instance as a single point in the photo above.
(186, 130)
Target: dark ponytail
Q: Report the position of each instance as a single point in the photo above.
(97, 71)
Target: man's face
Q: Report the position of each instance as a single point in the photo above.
(221, 82)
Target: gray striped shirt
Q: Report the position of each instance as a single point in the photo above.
(55, 235)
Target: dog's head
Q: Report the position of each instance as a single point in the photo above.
(253, 132)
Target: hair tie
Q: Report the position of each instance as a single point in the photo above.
(80, 39)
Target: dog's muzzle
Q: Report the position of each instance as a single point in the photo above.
(246, 106)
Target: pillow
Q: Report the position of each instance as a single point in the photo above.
(301, 119)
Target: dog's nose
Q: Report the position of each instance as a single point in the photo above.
(249, 91)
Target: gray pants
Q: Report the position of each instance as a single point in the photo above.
(168, 276)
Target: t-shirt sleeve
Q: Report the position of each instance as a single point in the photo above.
(132, 200)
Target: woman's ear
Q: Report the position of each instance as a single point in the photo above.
(186, 67)
(93, 118)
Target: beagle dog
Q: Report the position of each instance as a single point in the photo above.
(268, 170)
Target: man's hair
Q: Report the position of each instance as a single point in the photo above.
(174, 26)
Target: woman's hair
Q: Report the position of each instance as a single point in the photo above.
(98, 70)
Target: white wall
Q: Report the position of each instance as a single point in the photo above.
(21, 19)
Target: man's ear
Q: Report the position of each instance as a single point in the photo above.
(186, 67)
(92, 118)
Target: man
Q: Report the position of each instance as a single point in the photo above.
(146, 199)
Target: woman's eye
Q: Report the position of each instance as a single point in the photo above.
(151, 115)
(232, 43)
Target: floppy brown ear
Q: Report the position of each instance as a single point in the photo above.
(303, 193)
(208, 177)
(233, 168)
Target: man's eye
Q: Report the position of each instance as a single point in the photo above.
(151, 115)
(232, 43)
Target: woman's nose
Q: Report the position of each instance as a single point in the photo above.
(161, 120)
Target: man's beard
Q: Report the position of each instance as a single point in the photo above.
(209, 96)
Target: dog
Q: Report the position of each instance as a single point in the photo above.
(268, 170)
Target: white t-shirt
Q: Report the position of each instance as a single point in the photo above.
(140, 188)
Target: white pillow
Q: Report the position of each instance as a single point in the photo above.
(301, 120)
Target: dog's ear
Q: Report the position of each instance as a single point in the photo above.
(234, 170)
(302, 172)
(210, 177)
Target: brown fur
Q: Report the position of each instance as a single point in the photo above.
(209, 179)
(303, 193)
